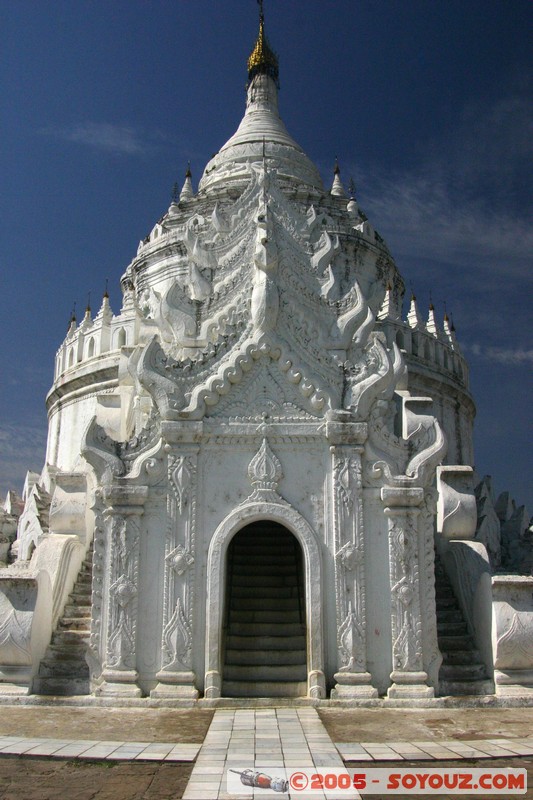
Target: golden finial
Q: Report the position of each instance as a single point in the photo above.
(262, 59)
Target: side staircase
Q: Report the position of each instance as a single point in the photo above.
(462, 671)
(63, 670)
(265, 648)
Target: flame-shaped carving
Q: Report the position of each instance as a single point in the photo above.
(177, 641)
(265, 472)
(327, 248)
(181, 481)
(350, 642)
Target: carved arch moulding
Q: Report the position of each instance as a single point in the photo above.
(242, 516)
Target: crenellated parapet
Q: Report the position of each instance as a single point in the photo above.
(98, 338)
(426, 344)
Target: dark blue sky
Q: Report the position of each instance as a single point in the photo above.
(427, 105)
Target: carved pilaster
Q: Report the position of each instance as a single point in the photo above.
(353, 679)
(122, 520)
(408, 675)
(176, 677)
(94, 655)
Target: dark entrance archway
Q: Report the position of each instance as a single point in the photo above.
(265, 648)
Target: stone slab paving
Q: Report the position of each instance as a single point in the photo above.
(99, 750)
(265, 740)
(272, 737)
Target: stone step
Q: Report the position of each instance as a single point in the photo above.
(462, 672)
(449, 614)
(72, 653)
(456, 643)
(266, 540)
(461, 657)
(82, 625)
(273, 548)
(80, 597)
(243, 657)
(263, 581)
(75, 610)
(252, 615)
(72, 637)
(267, 629)
(258, 567)
(270, 643)
(265, 672)
(60, 667)
(265, 591)
(264, 689)
(465, 688)
(446, 602)
(452, 628)
(269, 603)
(61, 687)
(63, 671)
(271, 559)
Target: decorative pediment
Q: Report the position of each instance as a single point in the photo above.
(264, 390)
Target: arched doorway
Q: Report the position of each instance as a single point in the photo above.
(288, 518)
(264, 629)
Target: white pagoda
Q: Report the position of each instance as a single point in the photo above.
(257, 479)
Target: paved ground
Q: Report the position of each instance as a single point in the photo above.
(380, 737)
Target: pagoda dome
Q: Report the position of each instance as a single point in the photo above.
(261, 133)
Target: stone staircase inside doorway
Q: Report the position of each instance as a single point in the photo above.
(265, 646)
(462, 671)
(63, 670)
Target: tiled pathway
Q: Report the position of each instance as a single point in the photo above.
(265, 739)
(99, 750)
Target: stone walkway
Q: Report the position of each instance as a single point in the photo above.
(265, 739)
(98, 750)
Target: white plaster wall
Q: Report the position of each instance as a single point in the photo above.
(73, 419)
(151, 591)
(377, 579)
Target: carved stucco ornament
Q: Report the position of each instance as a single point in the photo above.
(124, 591)
(515, 645)
(265, 473)
(177, 641)
(15, 633)
(179, 560)
(351, 643)
(351, 556)
(424, 444)
(180, 474)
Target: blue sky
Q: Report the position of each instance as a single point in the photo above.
(427, 104)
